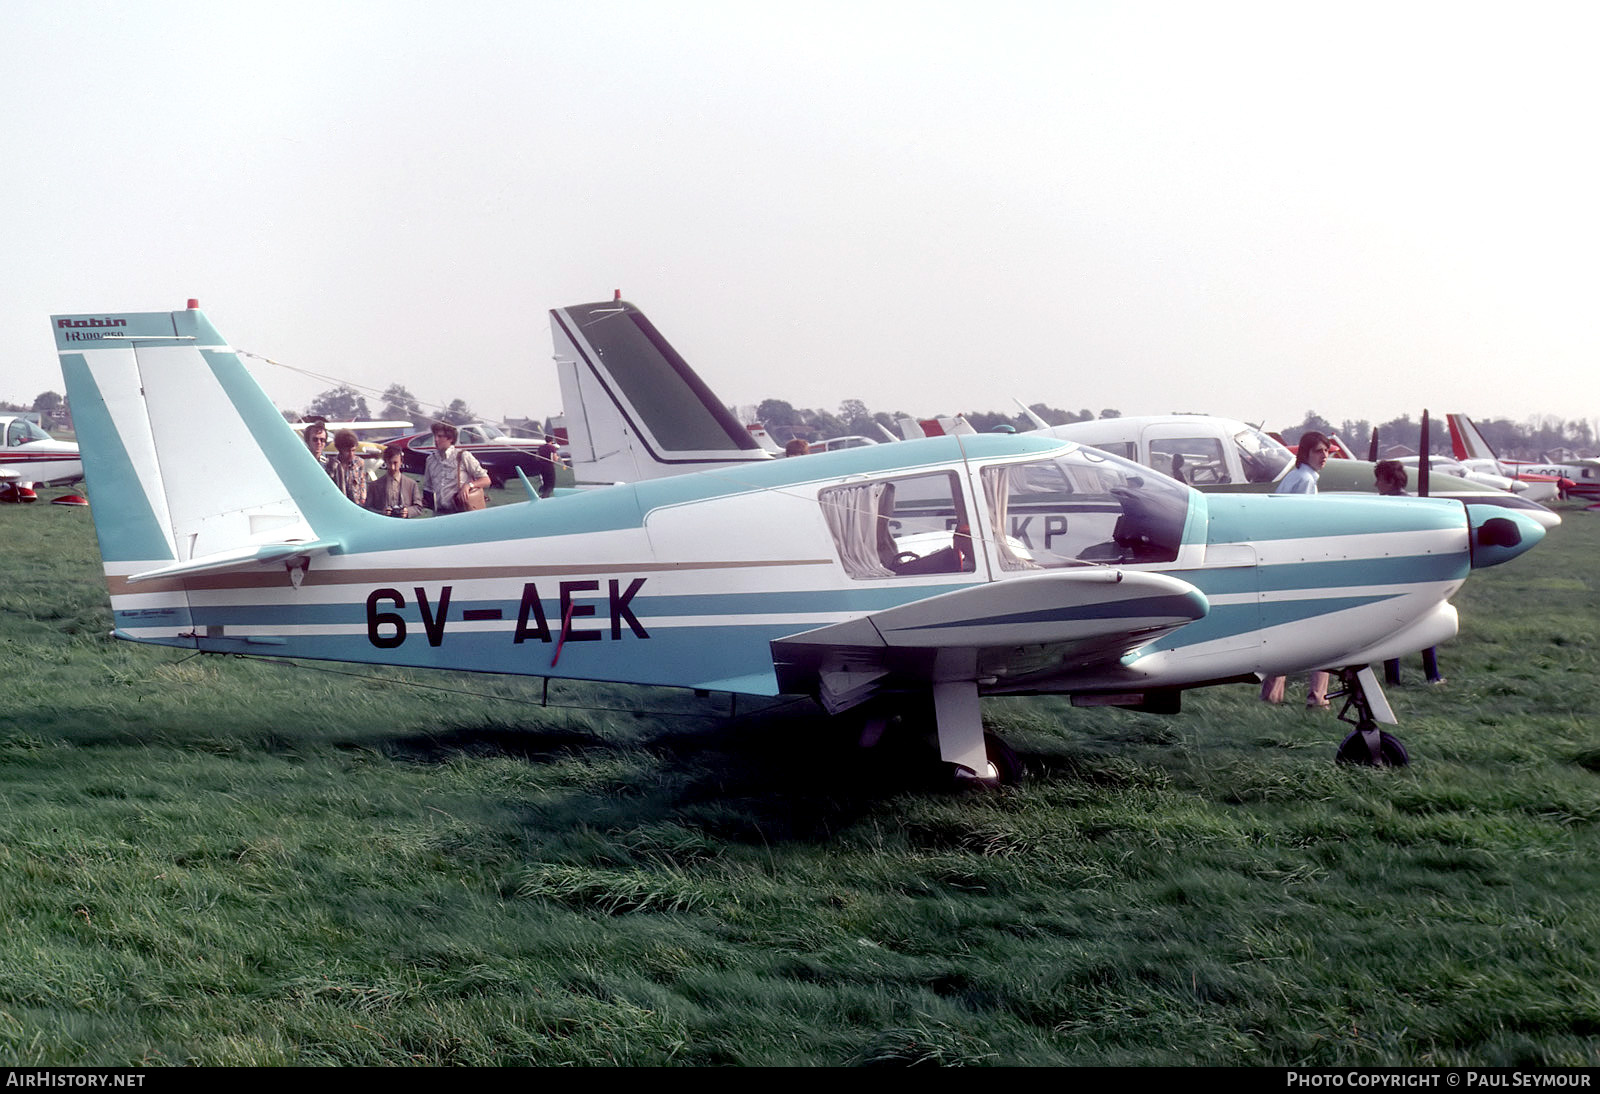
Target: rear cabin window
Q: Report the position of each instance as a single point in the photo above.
(1083, 507)
(899, 527)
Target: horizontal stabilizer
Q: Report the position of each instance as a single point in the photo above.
(242, 559)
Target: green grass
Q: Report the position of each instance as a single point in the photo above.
(223, 861)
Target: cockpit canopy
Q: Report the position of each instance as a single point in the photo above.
(1083, 506)
(1077, 507)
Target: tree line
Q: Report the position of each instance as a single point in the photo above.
(1529, 440)
(1516, 440)
(853, 418)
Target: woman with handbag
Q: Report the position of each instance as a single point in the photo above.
(455, 476)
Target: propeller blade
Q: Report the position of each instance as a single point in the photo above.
(1422, 459)
(1372, 449)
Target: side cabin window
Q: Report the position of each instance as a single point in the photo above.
(900, 527)
(1196, 460)
(1083, 507)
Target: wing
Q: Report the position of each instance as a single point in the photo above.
(333, 427)
(1041, 627)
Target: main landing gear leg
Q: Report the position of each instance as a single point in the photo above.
(1364, 707)
(962, 742)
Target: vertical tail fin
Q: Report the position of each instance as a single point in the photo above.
(634, 408)
(189, 466)
(1466, 442)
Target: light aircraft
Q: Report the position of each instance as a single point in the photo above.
(637, 410)
(1222, 454)
(1581, 479)
(876, 575)
(835, 444)
(30, 457)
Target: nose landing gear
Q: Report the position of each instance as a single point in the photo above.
(1364, 707)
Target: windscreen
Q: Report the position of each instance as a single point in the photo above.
(1083, 507)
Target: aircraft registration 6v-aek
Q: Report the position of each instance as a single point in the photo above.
(864, 576)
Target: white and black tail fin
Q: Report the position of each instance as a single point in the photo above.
(634, 408)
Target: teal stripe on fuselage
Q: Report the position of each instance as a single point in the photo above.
(1398, 570)
(1187, 605)
(1277, 612)
(123, 520)
(1246, 518)
(1234, 620)
(691, 657)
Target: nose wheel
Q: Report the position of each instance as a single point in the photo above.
(1367, 744)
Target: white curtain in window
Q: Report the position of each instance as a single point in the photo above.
(852, 516)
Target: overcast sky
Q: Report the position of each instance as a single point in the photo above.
(1246, 209)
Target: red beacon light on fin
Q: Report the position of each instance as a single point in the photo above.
(616, 295)
(194, 305)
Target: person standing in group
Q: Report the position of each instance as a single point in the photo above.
(348, 473)
(549, 458)
(1310, 456)
(395, 494)
(316, 437)
(1390, 478)
(454, 475)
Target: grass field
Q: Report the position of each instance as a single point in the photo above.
(223, 861)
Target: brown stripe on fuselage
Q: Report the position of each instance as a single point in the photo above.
(272, 578)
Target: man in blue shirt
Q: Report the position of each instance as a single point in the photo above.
(1310, 456)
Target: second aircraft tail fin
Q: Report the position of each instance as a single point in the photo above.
(634, 408)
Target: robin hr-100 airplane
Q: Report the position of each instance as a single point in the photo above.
(865, 578)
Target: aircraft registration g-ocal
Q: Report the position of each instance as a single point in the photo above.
(865, 578)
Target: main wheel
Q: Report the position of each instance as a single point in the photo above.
(1004, 768)
(1391, 753)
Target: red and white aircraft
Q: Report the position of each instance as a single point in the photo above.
(1579, 480)
(30, 457)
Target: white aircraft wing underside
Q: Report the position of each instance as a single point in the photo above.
(1048, 623)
